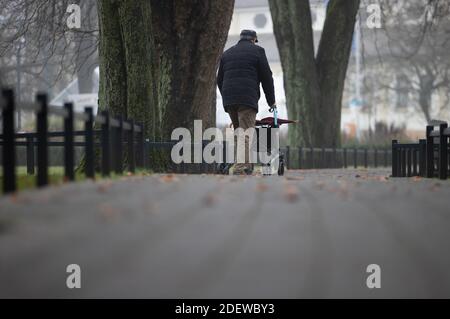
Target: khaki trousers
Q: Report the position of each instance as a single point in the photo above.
(242, 117)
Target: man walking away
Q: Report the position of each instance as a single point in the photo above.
(242, 69)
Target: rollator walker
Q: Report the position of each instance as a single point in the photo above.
(267, 123)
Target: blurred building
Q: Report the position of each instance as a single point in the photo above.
(80, 101)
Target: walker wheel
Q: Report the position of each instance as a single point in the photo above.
(281, 170)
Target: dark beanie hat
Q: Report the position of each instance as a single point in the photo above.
(249, 35)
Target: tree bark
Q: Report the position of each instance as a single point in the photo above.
(127, 81)
(112, 87)
(314, 85)
(138, 46)
(158, 60)
(126, 57)
(190, 36)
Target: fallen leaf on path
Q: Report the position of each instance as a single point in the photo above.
(261, 187)
(435, 187)
(341, 192)
(104, 187)
(108, 212)
(320, 185)
(168, 179)
(291, 193)
(381, 178)
(209, 200)
(14, 198)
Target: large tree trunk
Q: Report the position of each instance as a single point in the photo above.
(127, 81)
(167, 81)
(294, 35)
(190, 36)
(158, 60)
(314, 85)
(126, 58)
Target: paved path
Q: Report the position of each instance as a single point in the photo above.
(308, 234)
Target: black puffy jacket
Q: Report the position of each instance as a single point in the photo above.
(242, 68)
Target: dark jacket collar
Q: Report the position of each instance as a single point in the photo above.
(244, 40)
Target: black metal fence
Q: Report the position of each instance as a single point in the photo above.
(408, 159)
(428, 158)
(114, 131)
(120, 143)
(320, 158)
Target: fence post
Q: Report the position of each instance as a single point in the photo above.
(408, 162)
(414, 165)
(113, 130)
(422, 157)
(118, 147)
(375, 158)
(203, 164)
(9, 150)
(106, 147)
(448, 160)
(288, 155)
(300, 157)
(42, 142)
(322, 160)
(312, 158)
(443, 149)
(366, 158)
(430, 152)
(30, 155)
(89, 143)
(334, 163)
(182, 167)
(403, 162)
(344, 155)
(395, 172)
(355, 158)
(130, 144)
(146, 153)
(386, 157)
(69, 172)
(140, 147)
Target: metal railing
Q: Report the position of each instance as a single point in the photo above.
(113, 130)
(322, 158)
(428, 158)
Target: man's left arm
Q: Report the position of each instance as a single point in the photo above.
(266, 78)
